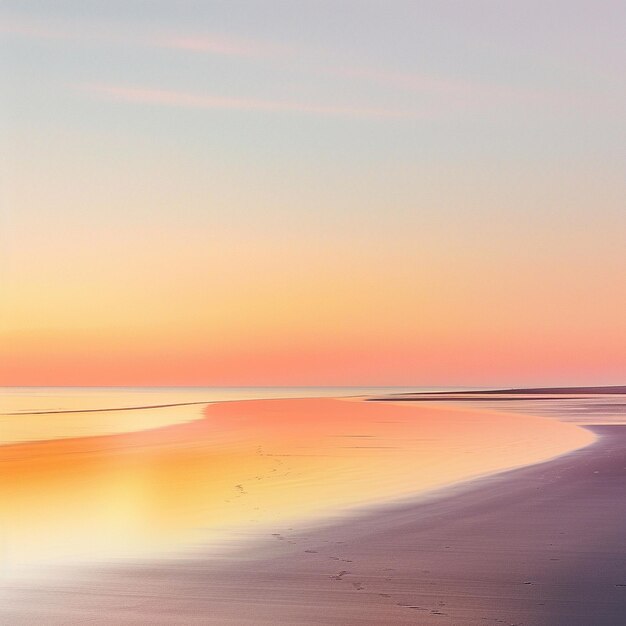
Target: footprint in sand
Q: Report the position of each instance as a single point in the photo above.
(411, 606)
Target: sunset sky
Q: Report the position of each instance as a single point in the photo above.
(429, 192)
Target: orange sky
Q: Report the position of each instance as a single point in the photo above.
(192, 200)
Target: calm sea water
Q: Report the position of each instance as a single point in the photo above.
(58, 398)
(41, 413)
(596, 409)
(103, 474)
(580, 409)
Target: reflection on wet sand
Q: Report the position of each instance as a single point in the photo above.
(245, 465)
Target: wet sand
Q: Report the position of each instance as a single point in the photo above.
(542, 545)
(524, 391)
(239, 468)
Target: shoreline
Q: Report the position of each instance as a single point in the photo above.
(535, 546)
(242, 469)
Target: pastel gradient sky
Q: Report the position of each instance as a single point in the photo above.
(314, 192)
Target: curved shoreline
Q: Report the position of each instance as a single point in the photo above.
(538, 545)
(41, 430)
(247, 465)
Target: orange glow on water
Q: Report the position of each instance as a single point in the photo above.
(244, 465)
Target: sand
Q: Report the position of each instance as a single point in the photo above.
(540, 545)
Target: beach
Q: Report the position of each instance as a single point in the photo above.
(312, 313)
(540, 546)
(356, 512)
(223, 471)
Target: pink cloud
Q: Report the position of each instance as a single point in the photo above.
(140, 95)
(202, 43)
(452, 92)
(218, 44)
(457, 89)
(32, 30)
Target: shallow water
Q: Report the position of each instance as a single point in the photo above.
(589, 410)
(43, 413)
(89, 475)
(582, 409)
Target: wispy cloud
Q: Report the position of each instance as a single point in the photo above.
(141, 95)
(32, 29)
(207, 43)
(446, 88)
(451, 93)
(221, 45)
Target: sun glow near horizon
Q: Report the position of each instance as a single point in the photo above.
(207, 198)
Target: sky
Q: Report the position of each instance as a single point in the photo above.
(312, 193)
